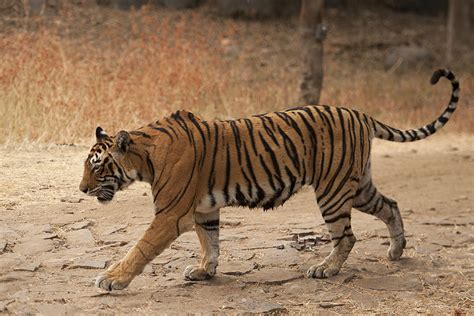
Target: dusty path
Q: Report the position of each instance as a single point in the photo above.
(53, 241)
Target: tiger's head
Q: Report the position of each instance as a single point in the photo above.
(105, 169)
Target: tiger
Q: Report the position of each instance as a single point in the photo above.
(195, 167)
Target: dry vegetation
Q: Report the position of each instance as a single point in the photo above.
(60, 77)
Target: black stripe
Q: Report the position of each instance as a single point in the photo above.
(290, 149)
(204, 143)
(273, 158)
(249, 125)
(310, 113)
(329, 128)
(342, 158)
(236, 133)
(175, 200)
(211, 225)
(260, 192)
(337, 218)
(206, 125)
(212, 176)
(338, 203)
(239, 196)
(268, 131)
(137, 133)
(163, 130)
(150, 167)
(227, 175)
(314, 146)
(442, 119)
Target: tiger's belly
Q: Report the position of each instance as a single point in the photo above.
(266, 198)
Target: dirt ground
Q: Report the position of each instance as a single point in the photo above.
(54, 240)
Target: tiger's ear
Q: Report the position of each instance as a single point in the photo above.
(100, 134)
(123, 141)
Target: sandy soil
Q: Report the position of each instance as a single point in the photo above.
(54, 240)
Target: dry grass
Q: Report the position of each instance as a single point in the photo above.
(59, 81)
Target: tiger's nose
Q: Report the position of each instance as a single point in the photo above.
(83, 188)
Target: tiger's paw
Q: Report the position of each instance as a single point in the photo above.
(323, 270)
(395, 250)
(113, 279)
(196, 273)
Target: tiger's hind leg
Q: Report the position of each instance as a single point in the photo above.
(207, 229)
(337, 215)
(370, 201)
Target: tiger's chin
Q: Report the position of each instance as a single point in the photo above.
(105, 198)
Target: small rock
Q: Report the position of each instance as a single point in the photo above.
(31, 267)
(302, 232)
(89, 264)
(115, 243)
(148, 269)
(288, 238)
(3, 246)
(460, 198)
(71, 200)
(330, 304)
(81, 225)
(114, 229)
(308, 242)
(50, 236)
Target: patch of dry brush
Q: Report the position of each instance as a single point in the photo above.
(58, 82)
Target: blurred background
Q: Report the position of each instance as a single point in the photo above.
(69, 66)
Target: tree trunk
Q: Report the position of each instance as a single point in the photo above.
(312, 34)
(458, 27)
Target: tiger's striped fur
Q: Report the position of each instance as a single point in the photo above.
(195, 167)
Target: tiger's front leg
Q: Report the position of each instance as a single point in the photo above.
(207, 229)
(163, 230)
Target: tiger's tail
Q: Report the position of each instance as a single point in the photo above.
(383, 131)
